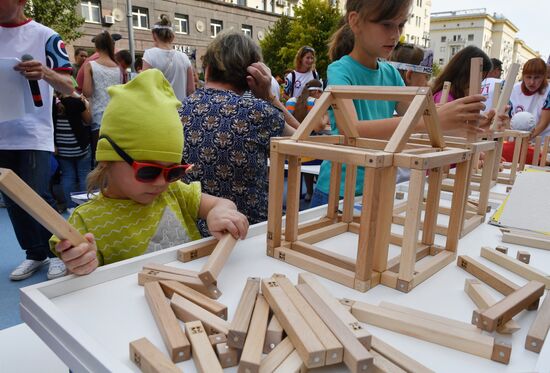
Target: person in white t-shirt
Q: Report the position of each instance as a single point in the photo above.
(304, 71)
(488, 84)
(175, 65)
(27, 143)
(530, 94)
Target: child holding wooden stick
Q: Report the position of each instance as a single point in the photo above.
(142, 205)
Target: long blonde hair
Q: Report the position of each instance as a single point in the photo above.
(98, 178)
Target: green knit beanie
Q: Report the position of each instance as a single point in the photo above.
(142, 119)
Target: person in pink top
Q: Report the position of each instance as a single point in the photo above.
(93, 57)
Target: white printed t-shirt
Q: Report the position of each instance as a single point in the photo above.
(173, 64)
(532, 103)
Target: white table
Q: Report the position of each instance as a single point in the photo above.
(89, 321)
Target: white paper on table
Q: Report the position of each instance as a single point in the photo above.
(15, 95)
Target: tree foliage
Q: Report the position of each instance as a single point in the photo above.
(315, 21)
(59, 15)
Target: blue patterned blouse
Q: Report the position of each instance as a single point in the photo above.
(227, 139)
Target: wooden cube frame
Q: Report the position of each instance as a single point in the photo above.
(541, 151)
(521, 139)
(380, 160)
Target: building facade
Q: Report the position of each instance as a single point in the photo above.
(494, 34)
(195, 22)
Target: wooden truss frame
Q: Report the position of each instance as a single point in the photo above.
(380, 160)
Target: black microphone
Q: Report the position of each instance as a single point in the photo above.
(35, 89)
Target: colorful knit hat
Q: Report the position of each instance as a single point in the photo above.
(142, 119)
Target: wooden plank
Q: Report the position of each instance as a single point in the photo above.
(544, 153)
(383, 365)
(328, 256)
(503, 311)
(276, 356)
(150, 359)
(197, 250)
(460, 195)
(310, 349)
(397, 357)
(213, 266)
(513, 265)
(539, 328)
(292, 364)
(171, 287)
(504, 97)
(229, 357)
(486, 275)
(334, 349)
(323, 233)
(204, 356)
(26, 198)
(252, 351)
(294, 184)
(346, 117)
(445, 92)
(241, 320)
(496, 94)
(403, 131)
(525, 239)
(309, 123)
(275, 200)
(349, 193)
(431, 120)
(452, 337)
(188, 311)
(536, 153)
(172, 334)
(193, 282)
(483, 300)
(334, 190)
(435, 178)
(170, 269)
(356, 357)
(339, 311)
(273, 335)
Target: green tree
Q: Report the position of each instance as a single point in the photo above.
(315, 21)
(59, 15)
(436, 70)
(275, 41)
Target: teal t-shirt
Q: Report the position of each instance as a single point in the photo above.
(347, 71)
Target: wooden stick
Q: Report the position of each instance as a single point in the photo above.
(150, 359)
(496, 94)
(334, 348)
(173, 336)
(239, 325)
(539, 328)
(445, 92)
(216, 339)
(210, 271)
(193, 282)
(26, 198)
(397, 357)
(452, 337)
(275, 200)
(292, 364)
(483, 300)
(544, 152)
(171, 287)
(252, 350)
(524, 270)
(188, 311)
(356, 356)
(524, 238)
(403, 131)
(204, 356)
(294, 184)
(382, 364)
(506, 92)
(310, 349)
(197, 250)
(487, 275)
(276, 356)
(503, 311)
(170, 269)
(334, 190)
(273, 335)
(229, 357)
(536, 153)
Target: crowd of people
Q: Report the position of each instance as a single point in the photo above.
(166, 160)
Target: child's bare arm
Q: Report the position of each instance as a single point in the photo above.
(81, 259)
(222, 216)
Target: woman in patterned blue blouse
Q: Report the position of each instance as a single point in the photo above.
(227, 135)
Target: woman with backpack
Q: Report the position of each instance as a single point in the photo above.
(304, 71)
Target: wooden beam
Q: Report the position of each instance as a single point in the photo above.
(334, 190)
(292, 364)
(403, 131)
(197, 250)
(229, 357)
(216, 339)
(214, 265)
(276, 356)
(382, 365)
(241, 320)
(252, 351)
(170, 269)
(188, 311)
(445, 92)
(397, 357)
(310, 349)
(204, 356)
(328, 256)
(150, 359)
(193, 282)
(539, 328)
(273, 335)
(171, 287)
(294, 184)
(275, 200)
(506, 92)
(525, 238)
(173, 336)
(323, 233)
(486, 275)
(309, 123)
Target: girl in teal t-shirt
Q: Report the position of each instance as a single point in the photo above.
(376, 27)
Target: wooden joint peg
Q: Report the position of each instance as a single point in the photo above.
(171, 287)
(210, 271)
(399, 195)
(403, 286)
(501, 352)
(204, 356)
(229, 357)
(174, 337)
(239, 325)
(523, 256)
(539, 328)
(252, 351)
(502, 249)
(216, 339)
(150, 359)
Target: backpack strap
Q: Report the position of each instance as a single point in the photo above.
(293, 74)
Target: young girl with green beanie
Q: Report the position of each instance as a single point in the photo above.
(142, 205)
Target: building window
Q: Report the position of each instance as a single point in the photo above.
(419, 3)
(454, 50)
(443, 39)
(247, 30)
(140, 17)
(442, 49)
(470, 37)
(91, 10)
(181, 24)
(216, 27)
(441, 61)
(241, 2)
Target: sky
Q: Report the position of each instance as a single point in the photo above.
(532, 17)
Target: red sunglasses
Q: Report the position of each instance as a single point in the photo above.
(149, 172)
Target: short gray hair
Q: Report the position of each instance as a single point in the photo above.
(228, 56)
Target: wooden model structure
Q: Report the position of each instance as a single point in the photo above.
(380, 160)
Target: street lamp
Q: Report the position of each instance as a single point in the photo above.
(130, 34)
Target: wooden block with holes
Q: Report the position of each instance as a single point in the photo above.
(397, 357)
(502, 249)
(523, 256)
(171, 287)
(241, 320)
(187, 311)
(539, 328)
(196, 250)
(229, 357)
(148, 275)
(216, 339)
(173, 335)
(276, 356)
(212, 268)
(150, 359)
(273, 335)
(252, 351)
(204, 356)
